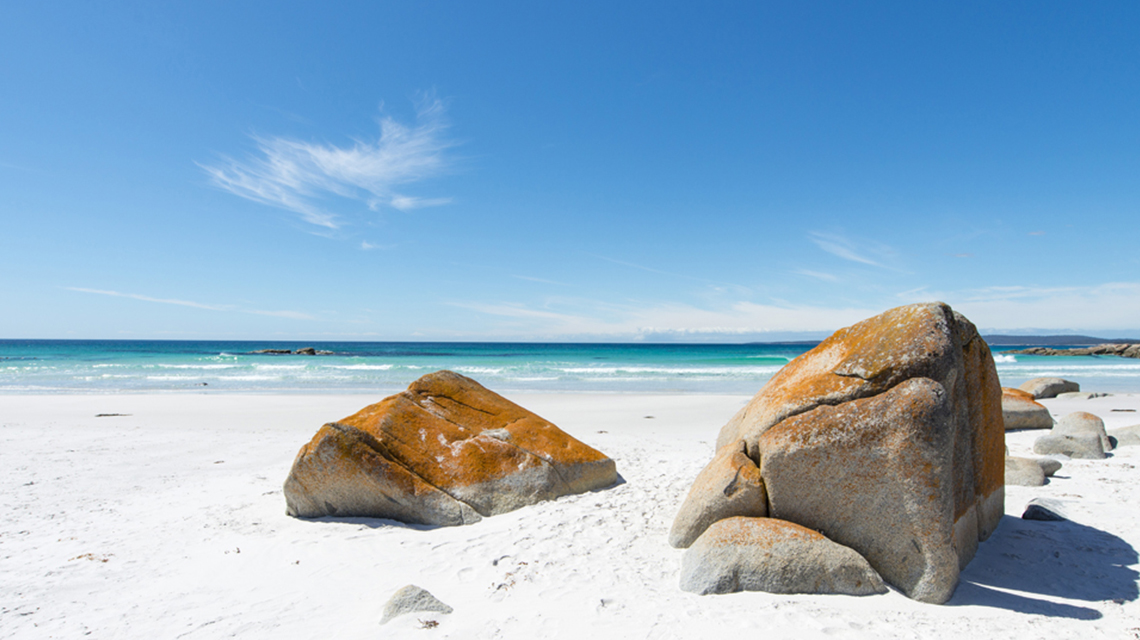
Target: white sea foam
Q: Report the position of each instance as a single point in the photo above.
(198, 366)
(1004, 358)
(361, 367)
(712, 371)
(478, 370)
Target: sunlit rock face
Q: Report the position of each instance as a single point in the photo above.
(886, 438)
(446, 452)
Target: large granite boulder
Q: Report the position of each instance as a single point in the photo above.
(1024, 472)
(444, 452)
(729, 486)
(887, 438)
(1020, 411)
(1081, 422)
(764, 554)
(1048, 387)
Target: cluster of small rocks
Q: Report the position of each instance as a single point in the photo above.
(1079, 435)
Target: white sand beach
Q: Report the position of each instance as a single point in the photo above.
(169, 522)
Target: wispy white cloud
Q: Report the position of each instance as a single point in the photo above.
(595, 320)
(541, 280)
(297, 176)
(295, 315)
(819, 275)
(408, 203)
(718, 286)
(848, 249)
(1109, 306)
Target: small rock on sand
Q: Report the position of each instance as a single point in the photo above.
(1082, 422)
(411, 599)
(1023, 472)
(1126, 436)
(1084, 445)
(1048, 387)
(1044, 509)
(1020, 411)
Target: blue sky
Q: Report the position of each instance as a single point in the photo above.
(650, 171)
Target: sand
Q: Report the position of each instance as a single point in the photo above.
(169, 522)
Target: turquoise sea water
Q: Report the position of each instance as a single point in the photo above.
(111, 366)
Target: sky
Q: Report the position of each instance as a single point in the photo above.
(588, 171)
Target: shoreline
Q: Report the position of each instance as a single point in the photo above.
(169, 522)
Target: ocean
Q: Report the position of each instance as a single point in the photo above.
(133, 366)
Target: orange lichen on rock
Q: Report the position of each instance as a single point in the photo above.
(812, 421)
(473, 445)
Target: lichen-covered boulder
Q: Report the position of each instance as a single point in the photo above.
(1048, 387)
(442, 452)
(1020, 411)
(349, 472)
(1081, 422)
(887, 437)
(729, 486)
(765, 554)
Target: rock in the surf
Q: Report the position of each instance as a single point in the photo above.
(887, 438)
(1023, 472)
(1020, 411)
(764, 554)
(729, 486)
(1048, 387)
(443, 452)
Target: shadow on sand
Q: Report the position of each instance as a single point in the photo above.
(1062, 559)
(377, 523)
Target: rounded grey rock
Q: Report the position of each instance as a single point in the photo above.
(411, 599)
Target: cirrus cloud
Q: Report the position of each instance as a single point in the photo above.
(299, 176)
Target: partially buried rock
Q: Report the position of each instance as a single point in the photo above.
(887, 438)
(1081, 395)
(1020, 411)
(1044, 509)
(1081, 445)
(412, 599)
(444, 452)
(1023, 472)
(1083, 422)
(1049, 466)
(1126, 436)
(1048, 387)
(763, 554)
(729, 486)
